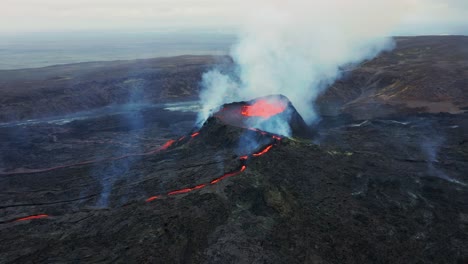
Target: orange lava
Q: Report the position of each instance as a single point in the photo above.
(152, 198)
(199, 186)
(228, 175)
(32, 217)
(244, 157)
(167, 144)
(263, 151)
(195, 134)
(186, 190)
(263, 108)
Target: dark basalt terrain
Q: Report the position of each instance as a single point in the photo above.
(61, 89)
(382, 191)
(385, 185)
(426, 74)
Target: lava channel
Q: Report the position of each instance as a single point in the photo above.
(265, 150)
(165, 146)
(31, 217)
(200, 186)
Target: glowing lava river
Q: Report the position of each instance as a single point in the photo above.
(272, 140)
(243, 167)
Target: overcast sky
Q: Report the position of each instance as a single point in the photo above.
(16, 16)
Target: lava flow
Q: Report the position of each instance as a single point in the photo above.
(186, 190)
(200, 186)
(265, 150)
(243, 159)
(152, 198)
(228, 175)
(263, 108)
(167, 144)
(32, 217)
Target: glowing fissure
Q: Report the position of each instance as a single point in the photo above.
(152, 198)
(227, 175)
(32, 217)
(165, 146)
(265, 150)
(263, 108)
(200, 186)
(243, 160)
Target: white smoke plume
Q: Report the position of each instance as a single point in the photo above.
(296, 48)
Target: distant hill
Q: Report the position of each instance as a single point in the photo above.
(422, 74)
(54, 90)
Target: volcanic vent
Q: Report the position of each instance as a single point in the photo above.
(236, 134)
(229, 140)
(224, 147)
(273, 113)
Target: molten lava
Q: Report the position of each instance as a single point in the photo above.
(263, 151)
(32, 217)
(167, 144)
(263, 108)
(152, 198)
(186, 190)
(228, 175)
(200, 186)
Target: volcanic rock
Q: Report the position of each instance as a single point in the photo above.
(355, 198)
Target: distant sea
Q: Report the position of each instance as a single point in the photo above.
(34, 50)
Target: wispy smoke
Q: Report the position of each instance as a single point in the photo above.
(297, 48)
(218, 88)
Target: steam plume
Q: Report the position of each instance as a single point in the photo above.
(297, 48)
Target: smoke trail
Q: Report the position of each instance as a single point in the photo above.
(297, 48)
